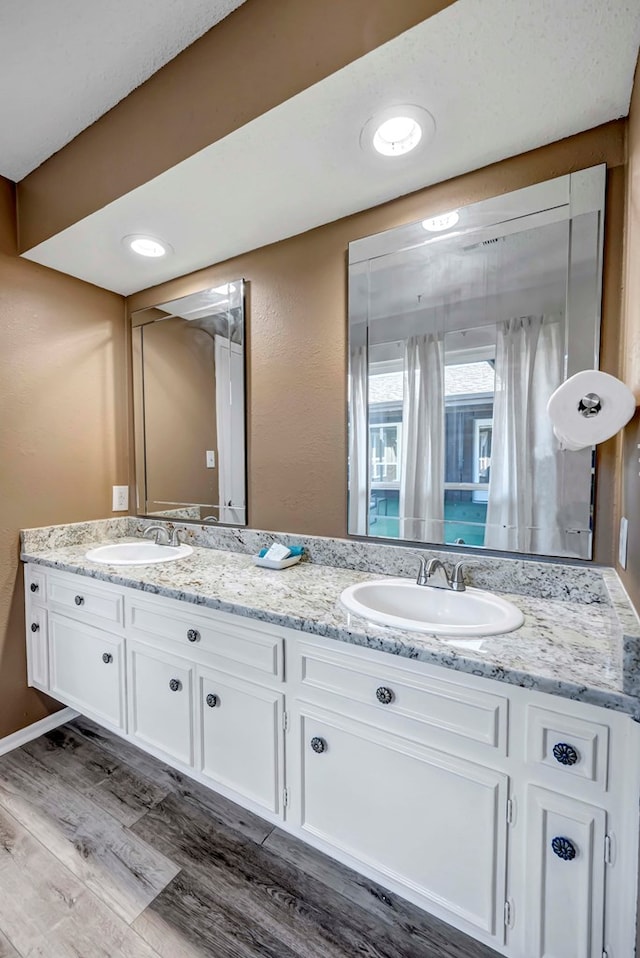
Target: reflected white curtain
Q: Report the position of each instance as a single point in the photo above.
(422, 453)
(358, 442)
(522, 511)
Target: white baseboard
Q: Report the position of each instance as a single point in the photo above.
(27, 734)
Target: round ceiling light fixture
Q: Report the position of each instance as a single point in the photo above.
(437, 224)
(149, 246)
(397, 131)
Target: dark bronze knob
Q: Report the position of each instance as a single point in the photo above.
(563, 848)
(175, 685)
(384, 695)
(565, 754)
(212, 700)
(79, 600)
(193, 635)
(34, 587)
(318, 744)
(107, 658)
(35, 627)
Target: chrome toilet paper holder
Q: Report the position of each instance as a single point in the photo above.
(590, 405)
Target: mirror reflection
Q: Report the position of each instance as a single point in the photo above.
(457, 341)
(189, 399)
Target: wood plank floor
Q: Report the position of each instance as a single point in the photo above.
(107, 853)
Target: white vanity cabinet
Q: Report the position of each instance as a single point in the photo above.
(240, 736)
(406, 810)
(86, 669)
(161, 696)
(565, 856)
(511, 814)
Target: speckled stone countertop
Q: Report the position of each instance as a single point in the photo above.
(583, 650)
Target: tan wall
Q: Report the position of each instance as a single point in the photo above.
(297, 335)
(266, 52)
(630, 342)
(63, 427)
(180, 413)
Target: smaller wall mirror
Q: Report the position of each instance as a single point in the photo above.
(189, 406)
(460, 328)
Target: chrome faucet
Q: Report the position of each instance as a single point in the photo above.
(159, 531)
(433, 572)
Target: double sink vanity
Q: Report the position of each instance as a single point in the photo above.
(490, 779)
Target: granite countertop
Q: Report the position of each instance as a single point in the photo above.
(587, 652)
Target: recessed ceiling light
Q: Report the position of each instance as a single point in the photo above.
(149, 246)
(436, 224)
(397, 131)
(396, 136)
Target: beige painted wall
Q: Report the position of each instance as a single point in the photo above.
(264, 53)
(63, 427)
(630, 350)
(297, 335)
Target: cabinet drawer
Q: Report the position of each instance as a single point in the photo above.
(84, 600)
(161, 701)
(87, 669)
(400, 694)
(37, 647)
(35, 583)
(250, 651)
(572, 747)
(241, 737)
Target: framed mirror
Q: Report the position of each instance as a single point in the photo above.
(461, 326)
(189, 406)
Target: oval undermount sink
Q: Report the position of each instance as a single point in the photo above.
(403, 604)
(137, 553)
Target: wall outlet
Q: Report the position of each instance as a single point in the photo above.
(211, 459)
(622, 542)
(120, 499)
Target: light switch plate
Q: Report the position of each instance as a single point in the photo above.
(622, 542)
(211, 459)
(120, 499)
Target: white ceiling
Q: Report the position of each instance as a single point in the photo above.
(499, 76)
(66, 62)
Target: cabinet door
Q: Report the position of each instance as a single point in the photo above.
(433, 822)
(37, 647)
(87, 669)
(241, 737)
(564, 864)
(161, 701)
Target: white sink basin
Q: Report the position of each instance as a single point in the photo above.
(137, 553)
(403, 604)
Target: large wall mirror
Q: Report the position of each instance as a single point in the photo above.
(189, 406)
(461, 326)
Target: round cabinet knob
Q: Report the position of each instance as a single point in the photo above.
(79, 600)
(563, 848)
(212, 700)
(175, 685)
(318, 745)
(107, 658)
(193, 635)
(34, 587)
(384, 695)
(35, 627)
(565, 754)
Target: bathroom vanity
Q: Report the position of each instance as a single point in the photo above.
(507, 811)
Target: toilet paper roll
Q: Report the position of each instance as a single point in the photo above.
(572, 428)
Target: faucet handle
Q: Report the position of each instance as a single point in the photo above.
(457, 578)
(175, 537)
(422, 571)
